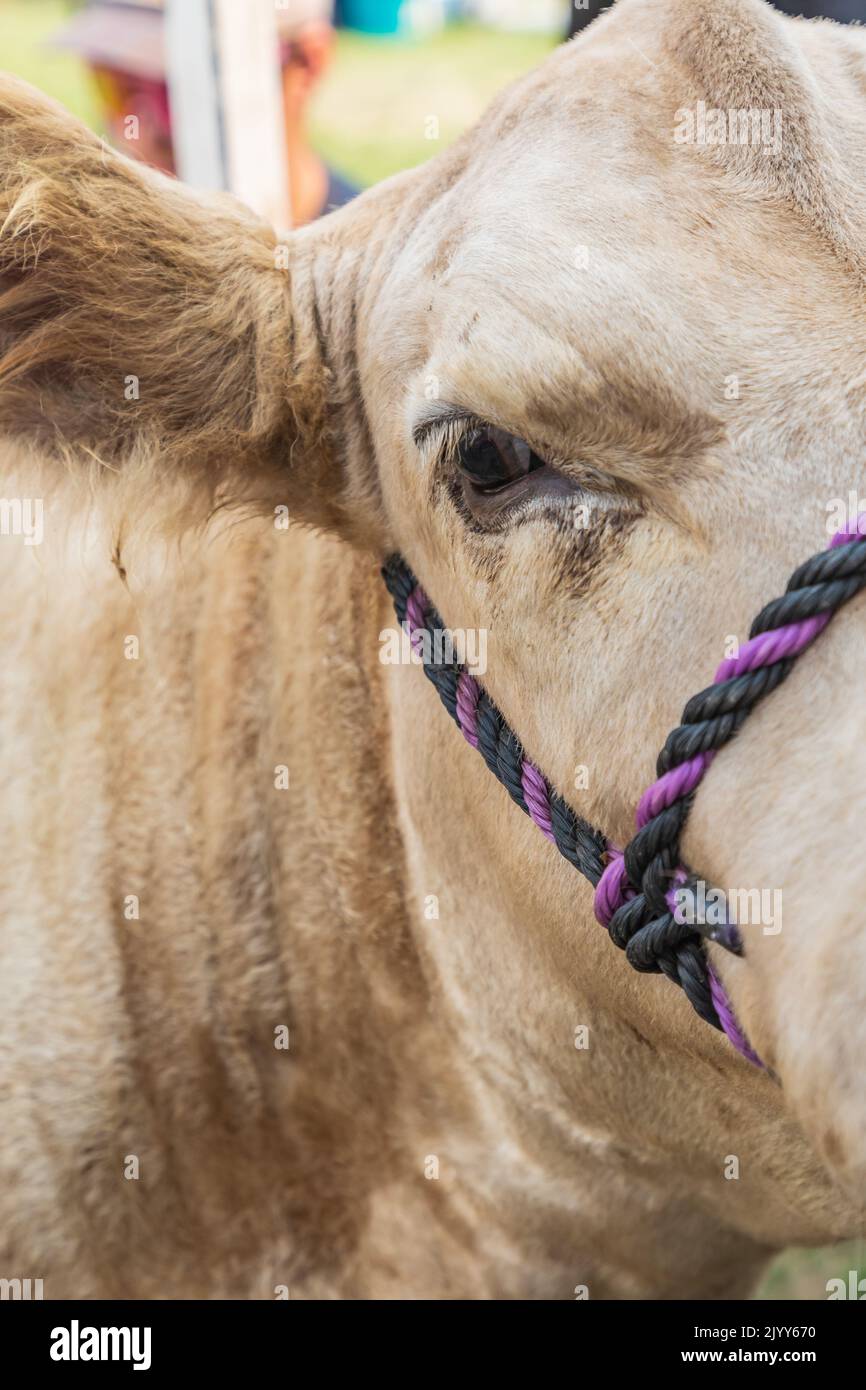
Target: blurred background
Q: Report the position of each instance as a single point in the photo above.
(368, 87)
(390, 84)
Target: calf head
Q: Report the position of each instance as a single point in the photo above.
(614, 364)
(596, 372)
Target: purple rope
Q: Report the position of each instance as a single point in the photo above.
(728, 1019)
(468, 689)
(468, 692)
(416, 611)
(536, 792)
(763, 650)
(767, 648)
(614, 888)
(536, 789)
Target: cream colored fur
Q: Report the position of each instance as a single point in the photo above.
(432, 1130)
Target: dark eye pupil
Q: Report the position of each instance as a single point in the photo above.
(483, 459)
(490, 458)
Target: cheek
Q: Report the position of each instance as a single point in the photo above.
(596, 642)
(593, 640)
(559, 659)
(779, 825)
(404, 485)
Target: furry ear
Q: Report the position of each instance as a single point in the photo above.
(141, 321)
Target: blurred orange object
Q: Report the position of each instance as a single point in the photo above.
(123, 43)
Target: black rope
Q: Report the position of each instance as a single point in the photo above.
(644, 928)
(498, 744)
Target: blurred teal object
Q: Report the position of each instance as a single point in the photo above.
(372, 16)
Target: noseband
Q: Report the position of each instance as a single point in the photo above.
(637, 890)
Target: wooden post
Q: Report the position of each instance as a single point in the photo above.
(192, 66)
(226, 101)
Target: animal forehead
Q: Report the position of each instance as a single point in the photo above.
(665, 119)
(574, 236)
(576, 205)
(580, 259)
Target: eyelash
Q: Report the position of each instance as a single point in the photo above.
(443, 441)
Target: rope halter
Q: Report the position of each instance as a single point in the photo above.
(639, 890)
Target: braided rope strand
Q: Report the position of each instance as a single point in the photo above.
(484, 727)
(636, 889)
(644, 918)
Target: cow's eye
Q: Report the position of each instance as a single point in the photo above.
(490, 459)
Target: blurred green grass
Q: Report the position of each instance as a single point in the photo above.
(25, 26)
(370, 120)
(371, 117)
(803, 1274)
